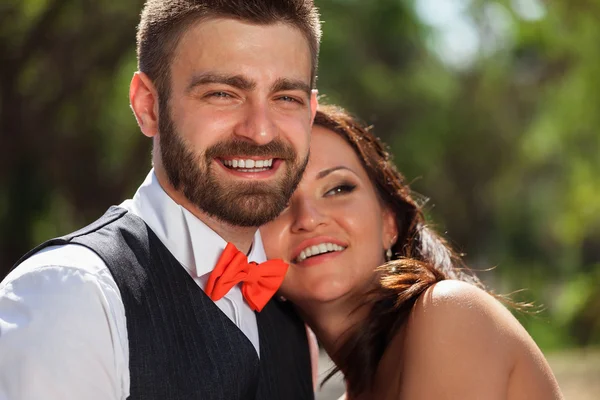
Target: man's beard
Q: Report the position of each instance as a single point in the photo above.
(237, 203)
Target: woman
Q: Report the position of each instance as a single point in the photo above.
(418, 327)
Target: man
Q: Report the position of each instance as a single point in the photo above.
(130, 307)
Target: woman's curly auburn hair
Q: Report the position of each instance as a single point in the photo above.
(420, 256)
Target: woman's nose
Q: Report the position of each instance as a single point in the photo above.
(308, 216)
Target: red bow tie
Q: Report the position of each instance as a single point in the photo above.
(260, 281)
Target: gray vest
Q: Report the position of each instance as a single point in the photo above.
(181, 346)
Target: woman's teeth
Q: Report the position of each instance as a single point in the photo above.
(249, 165)
(318, 249)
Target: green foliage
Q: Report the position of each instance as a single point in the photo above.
(505, 144)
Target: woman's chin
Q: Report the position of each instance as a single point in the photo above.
(313, 295)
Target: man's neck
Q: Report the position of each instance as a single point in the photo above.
(241, 237)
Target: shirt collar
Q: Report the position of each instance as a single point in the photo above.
(192, 243)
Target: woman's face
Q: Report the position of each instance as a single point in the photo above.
(335, 230)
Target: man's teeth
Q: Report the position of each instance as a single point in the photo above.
(249, 165)
(318, 249)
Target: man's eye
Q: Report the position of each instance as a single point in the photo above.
(288, 99)
(220, 95)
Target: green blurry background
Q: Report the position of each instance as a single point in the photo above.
(491, 109)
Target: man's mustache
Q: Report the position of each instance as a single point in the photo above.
(233, 148)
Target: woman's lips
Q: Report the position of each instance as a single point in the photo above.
(318, 259)
(317, 247)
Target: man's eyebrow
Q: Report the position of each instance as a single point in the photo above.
(328, 171)
(236, 81)
(284, 84)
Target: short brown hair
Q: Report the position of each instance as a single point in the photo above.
(163, 22)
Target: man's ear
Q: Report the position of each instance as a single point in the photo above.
(314, 104)
(143, 98)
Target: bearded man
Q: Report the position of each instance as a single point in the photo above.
(168, 295)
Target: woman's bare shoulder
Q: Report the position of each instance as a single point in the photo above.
(452, 303)
(467, 318)
(460, 339)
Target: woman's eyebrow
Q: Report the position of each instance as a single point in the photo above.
(328, 171)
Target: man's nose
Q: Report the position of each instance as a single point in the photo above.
(257, 123)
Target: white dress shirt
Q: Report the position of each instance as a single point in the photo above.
(63, 332)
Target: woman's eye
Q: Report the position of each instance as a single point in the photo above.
(341, 189)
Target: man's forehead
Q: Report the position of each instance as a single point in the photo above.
(264, 58)
(231, 33)
(220, 40)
